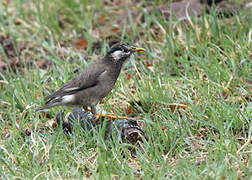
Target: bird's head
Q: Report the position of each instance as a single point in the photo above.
(120, 52)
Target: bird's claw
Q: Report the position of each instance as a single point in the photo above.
(108, 115)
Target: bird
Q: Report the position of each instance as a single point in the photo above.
(94, 83)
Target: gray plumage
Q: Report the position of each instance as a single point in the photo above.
(92, 84)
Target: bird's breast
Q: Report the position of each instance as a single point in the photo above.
(106, 82)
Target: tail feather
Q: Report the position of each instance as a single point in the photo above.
(42, 107)
(49, 104)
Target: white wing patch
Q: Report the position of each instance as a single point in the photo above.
(68, 98)
(71, 89)
(117, 54)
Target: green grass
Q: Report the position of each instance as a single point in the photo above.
(191, 64)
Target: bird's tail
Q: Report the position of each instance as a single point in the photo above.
(50, 103)
(46, 106)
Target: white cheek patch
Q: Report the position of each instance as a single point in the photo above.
(68, 98)
(117, 54)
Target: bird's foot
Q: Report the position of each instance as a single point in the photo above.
(108, 115)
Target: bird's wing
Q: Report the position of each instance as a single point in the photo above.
(86, 79)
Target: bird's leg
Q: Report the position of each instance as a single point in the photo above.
(109, 115)
(114, 116)
(97, 114)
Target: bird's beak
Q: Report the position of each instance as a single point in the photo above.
(138, 49)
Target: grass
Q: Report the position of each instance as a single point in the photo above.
(191, 64)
